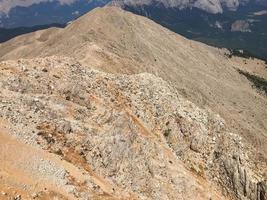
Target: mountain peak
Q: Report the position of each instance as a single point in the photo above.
(143, 112)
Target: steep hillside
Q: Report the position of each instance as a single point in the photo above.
(119, 42)
(237, 28)
(105, 134)
(70, 132)
(136, 135)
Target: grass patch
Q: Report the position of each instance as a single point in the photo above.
(258, 82)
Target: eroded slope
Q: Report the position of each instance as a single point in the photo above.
(116, 137)
(116, 41)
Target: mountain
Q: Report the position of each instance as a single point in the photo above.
(99, 132)
(212, 6)
(29, 13)
(217, 23)
(120, 107)
(232, 24)
(7, 34)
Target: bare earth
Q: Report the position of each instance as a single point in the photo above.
(102, 110)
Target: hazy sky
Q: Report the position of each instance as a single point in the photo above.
(7, 5)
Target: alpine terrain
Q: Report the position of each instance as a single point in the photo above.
(113, 106)
(232, 24)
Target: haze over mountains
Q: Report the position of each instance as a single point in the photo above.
(115, 106)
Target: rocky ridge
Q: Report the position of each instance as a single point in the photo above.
(203, 74)
(131, 134)
(124, 136)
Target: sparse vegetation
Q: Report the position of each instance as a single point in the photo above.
(258, 82)
(167, 132)
(244, 54)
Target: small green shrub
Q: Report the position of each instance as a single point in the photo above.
(258, 82)
(167, 132)
(244, 54)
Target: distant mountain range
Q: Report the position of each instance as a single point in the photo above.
(234, 24)
(20, 13)
(210, 6)
(230, 24)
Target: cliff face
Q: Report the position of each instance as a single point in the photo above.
(125, 109)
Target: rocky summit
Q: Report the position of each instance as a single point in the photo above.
(116, 107)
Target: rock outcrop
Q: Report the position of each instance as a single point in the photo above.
(130, 136)
(136, 112)
(112, 40)
(241, 26)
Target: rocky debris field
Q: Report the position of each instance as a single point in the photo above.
(70, 132)
(204, 75)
